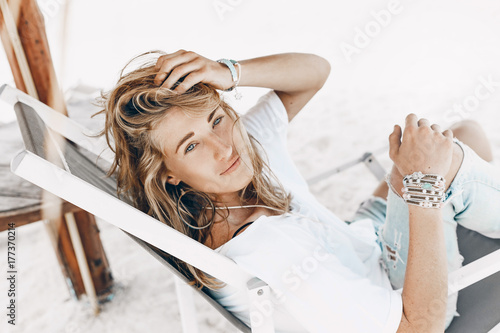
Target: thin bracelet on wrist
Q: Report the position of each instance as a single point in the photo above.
(424, 190)
(235, 74)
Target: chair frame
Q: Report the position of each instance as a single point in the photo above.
(153, 234)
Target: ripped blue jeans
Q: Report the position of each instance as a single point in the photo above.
(472, 200)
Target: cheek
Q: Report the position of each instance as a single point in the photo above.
(198, 168)
(243, 151)
(183, 168)
(249, 171)
(239, 143)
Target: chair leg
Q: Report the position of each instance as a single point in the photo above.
(374, 165)
(186, 306)
(261, 307)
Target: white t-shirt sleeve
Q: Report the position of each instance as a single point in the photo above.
(267, 120)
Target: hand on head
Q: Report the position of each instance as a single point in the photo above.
(423, 147)
(181, 70)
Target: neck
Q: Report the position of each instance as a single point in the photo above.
(233, 200)
(230, 200)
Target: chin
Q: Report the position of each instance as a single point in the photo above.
(239, 182)
(245, 184)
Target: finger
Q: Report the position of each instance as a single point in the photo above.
(189, 81)
(411, 120)
(448, 133)
(180, 71)
(167, 64)
(164, 57)
(423, 122)
(436, 128)
(170, 63)
(394, 141)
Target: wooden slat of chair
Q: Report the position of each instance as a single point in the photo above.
(22, 31)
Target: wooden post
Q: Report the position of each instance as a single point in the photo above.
(40, 76)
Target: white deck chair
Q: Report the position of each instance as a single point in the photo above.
(81, 181)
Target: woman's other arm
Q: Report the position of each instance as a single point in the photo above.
(424, 148)
(296, 77)
(426, 280)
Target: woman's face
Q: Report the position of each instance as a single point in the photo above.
(204, 152)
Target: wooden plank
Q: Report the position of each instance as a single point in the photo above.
(96, 257)
(31, 30)
(31, 212)
(41, 75)
(59, 233)
(9, 47)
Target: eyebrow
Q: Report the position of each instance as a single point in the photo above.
(190, 134)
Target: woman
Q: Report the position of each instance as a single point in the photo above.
(186, 157)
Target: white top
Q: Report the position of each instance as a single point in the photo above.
(325, 275)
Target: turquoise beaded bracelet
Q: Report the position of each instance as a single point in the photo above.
(230, 64)
(424, 190)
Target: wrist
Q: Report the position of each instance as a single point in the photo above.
(414, 209)
(234, 71)
(424, 190)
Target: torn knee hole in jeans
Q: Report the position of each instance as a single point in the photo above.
(392, 254)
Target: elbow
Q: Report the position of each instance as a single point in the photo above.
(423, 324)
(323, 69)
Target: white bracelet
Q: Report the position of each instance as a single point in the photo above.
(424, 190)
(237, 94)
(230, 63)
(235, 75)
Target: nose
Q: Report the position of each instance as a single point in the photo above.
(223, 149)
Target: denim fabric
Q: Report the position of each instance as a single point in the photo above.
(472, 200)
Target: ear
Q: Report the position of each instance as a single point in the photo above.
(169, 177)
(172, 180)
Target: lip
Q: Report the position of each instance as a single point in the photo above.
(233, 166)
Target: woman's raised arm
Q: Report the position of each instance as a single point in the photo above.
(296, 77)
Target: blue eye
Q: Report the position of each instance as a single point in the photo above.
(216, 122)
(220, 118)
(187, 149)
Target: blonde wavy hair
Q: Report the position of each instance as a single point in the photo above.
(133, 108)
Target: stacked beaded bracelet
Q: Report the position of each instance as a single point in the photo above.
(236, 76)
(424, 190)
